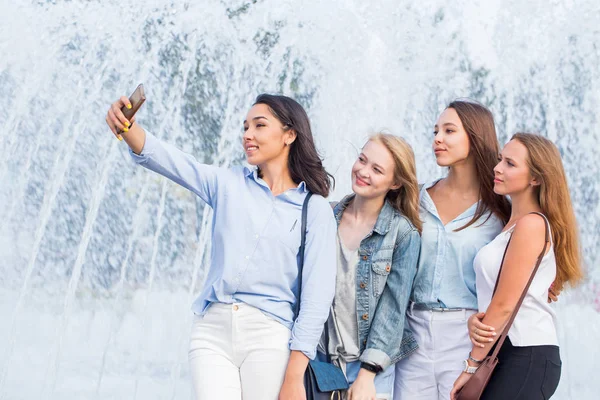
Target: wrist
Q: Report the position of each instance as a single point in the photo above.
(470, 369)
(366, 374)
(374, 369)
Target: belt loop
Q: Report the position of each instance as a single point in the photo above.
(412, 306)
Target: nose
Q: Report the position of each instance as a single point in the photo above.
(248, 135)
(497, 168)
(437, 139)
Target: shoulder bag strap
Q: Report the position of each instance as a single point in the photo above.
(301, 252)
(504, 333)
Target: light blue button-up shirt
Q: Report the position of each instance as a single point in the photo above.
(445, 276)
(255, 242)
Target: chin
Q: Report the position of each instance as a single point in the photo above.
(362, 191)
(499, 190)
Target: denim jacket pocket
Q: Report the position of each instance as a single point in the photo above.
(381, 270)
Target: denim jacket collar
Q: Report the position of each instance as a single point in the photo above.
(384, 220)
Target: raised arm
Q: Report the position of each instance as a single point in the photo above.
(164, 158)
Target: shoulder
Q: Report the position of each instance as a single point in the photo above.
(319, 210)
(403, 226)
(532, 226)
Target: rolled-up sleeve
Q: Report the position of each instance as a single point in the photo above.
(179, 167)
(318, 277)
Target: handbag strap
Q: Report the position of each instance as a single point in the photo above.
(301, 251)
(504, 333)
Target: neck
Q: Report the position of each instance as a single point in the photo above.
(463, 178)
(277, 176)
(523, 203)
(365, 209)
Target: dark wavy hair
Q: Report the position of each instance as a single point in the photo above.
(478, 122)
(304, 161)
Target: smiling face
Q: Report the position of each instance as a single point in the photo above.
(373, 171)
(512, 174)
(451, 142)
(265, 138)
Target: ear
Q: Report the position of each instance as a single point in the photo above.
(396, 186)
(290, 136)
(535, 181)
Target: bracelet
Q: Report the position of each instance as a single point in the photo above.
(474, 360)
(371, 368)
(468, 369)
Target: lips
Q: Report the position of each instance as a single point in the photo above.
(250, 148)
(360, 182)
(437, 151)
(498, 180)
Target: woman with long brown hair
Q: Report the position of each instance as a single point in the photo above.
(460, 214)
(378, 249)
(245, 341)
(531, 173)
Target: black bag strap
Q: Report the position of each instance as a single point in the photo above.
(504, 333)
(301, 252)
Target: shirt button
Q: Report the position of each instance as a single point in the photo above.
(255, 236)
(365, 341)
(247, 257)
(365, 258)
(365, 316)
(388, 268)
(235, 307)
(362, 285)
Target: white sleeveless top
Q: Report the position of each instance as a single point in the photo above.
(535, 323)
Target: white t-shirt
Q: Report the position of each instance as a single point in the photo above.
(535, 323)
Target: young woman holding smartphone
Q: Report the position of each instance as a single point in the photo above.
(245, 341)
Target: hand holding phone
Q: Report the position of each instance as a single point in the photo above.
(119, 116)
(136, 99)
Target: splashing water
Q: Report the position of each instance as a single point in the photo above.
(100, 260)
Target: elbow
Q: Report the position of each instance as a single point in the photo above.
(503, 309)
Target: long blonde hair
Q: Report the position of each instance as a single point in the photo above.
(555, 201)
(406, 198)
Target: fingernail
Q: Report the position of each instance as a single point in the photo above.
(125, 129)
(490, 340)
(494, 333)
(127, 124)
(120, 137)
(129, 106)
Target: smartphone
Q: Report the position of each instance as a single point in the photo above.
(136, 99)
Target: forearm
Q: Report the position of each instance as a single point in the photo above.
(135, 138)
(497, 316)
(296, 366)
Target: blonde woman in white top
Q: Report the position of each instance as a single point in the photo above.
(530, 171)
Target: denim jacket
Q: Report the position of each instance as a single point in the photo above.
(388, 258)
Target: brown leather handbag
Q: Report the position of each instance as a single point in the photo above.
(473, 389)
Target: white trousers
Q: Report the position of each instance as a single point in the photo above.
(237, 352)
(430, 372)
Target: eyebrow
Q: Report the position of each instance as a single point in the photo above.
(446, 123)
(257, 118)
(507, 158)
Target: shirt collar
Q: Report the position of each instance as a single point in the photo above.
(427, 203)
(253, 173)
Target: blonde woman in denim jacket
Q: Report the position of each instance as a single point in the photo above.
(378, 250)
